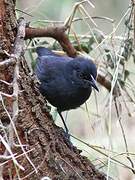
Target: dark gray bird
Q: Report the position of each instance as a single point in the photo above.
(65, 82)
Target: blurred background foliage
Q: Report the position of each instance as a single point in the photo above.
(106, 122)
(59, 10)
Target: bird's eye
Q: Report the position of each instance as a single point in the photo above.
(84, 76)
(81, 75)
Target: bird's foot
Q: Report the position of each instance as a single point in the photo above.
(67, 135)
(68, 139)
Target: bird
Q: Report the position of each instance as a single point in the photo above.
(66, 82)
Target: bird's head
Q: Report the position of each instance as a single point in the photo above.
(85, 71)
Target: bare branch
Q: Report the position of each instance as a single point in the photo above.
(57, 33)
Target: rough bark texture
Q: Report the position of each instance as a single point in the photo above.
(52, 153)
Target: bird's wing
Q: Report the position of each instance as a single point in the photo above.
(49, 68)
(42, 51)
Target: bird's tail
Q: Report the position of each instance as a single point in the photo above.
(42, 51)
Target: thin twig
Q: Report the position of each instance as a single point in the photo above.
(106, 155)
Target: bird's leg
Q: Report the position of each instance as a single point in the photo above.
(67, 131)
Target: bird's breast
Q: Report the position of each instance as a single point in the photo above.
(64, 96)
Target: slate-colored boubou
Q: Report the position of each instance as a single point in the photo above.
(65, 82)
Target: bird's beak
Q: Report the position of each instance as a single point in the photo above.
(93, 83)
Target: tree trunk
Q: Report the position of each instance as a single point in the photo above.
(42, 146)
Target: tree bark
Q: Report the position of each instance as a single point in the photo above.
(47, 147)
